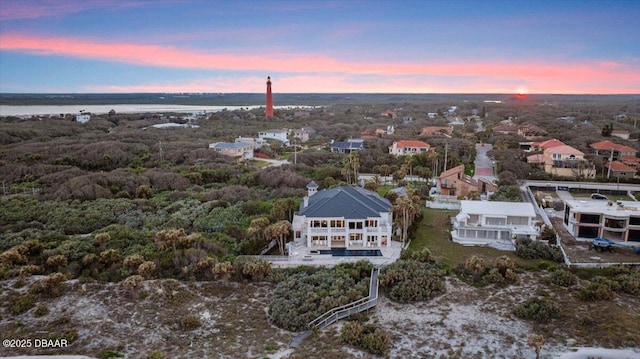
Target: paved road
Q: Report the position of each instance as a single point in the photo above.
(484, 165)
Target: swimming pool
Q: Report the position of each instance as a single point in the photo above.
(343, 252)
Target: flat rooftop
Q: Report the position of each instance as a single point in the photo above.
(613, 208)
(498, 208)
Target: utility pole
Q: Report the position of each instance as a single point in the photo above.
(161, 156)
(610, 160)
(446, 152)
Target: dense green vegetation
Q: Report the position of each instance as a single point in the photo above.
(303, 296)
(416, 276)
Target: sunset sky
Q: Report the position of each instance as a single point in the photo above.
(563, 46)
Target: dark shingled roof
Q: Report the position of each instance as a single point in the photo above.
(347, 202)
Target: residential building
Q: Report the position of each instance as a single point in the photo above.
(301, 134)
(253, 142)
(408, 148)
(563, 161)
(242, 151)
(617, 169)
(432, 115)
(495, 224)
(529, 131)
(608, 150)
(281, 135)
(616, 221)
(388, 113)
(436, 130)
(543, 145)
(624, 134)
(455, 183)
(348, 146)
(83, 117)
(509, 129)
(343, 217)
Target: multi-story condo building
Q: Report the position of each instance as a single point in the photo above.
(616, 221)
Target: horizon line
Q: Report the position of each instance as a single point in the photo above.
(330, 93)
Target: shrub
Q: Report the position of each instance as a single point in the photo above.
(29, 270)
(22, 304)
(563, 278)
(528, 249)
(41, 311)
(538, 309)
(302, 296)
(257, 270)
(147, 269)
(629, 283)
(352, 332)
(598, 289)
(57, 261)
(191, 322)
(501, 272)
(410, 281)
(51, 285)
(12, 257)
(368, 337)
(133, 261)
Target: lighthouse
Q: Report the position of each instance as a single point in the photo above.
(269, 111)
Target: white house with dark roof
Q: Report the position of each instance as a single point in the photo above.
(494, 224)
(343, 217)
(348, 146)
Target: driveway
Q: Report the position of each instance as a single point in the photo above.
(484, 165)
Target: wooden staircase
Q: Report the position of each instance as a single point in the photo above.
(343, 311)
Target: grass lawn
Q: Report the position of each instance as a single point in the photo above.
(433, 233)
(383, 190)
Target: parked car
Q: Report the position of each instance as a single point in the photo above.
(598, 196)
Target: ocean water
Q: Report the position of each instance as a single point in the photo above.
(101, 109)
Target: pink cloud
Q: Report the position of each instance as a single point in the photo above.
(20, 9)
(546, 76)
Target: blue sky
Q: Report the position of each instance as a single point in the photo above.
(320, 46)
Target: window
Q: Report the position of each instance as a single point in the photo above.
(337, 223)
(371, 223)
(355, 225)
(556, 156)
(589, 218)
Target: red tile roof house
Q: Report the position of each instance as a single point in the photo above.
(408, 148)
(531, 131)
(453, 182)
(436, 130)
(564, 161)
(617, 169)
(541, 146)
(605, 148)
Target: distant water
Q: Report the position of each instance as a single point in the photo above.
(100, 109)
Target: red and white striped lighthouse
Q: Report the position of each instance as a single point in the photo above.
(269, 112)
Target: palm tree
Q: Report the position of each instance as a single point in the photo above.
(408, 208)
(257, 226)
(281, 232)
(169, 238)
(536, 341)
